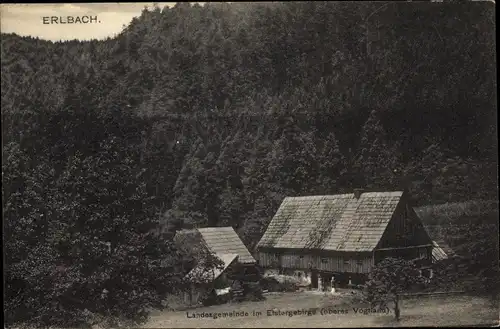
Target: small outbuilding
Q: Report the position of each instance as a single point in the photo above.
(205, 280)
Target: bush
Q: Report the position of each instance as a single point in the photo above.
(269, 283)
(288, 286)
(253, 291)
(280, 283)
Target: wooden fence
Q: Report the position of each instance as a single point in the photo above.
(435, 293)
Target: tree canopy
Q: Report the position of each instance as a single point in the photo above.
(389, 280)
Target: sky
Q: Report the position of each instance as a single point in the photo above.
(27, 19)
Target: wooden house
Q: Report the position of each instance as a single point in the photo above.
(217, 240)
(343, 236)
(224, 244)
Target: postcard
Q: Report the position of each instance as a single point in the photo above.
(250, 164)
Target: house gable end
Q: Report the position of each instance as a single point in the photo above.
(420, 231)
(405, 228)
(391, 229)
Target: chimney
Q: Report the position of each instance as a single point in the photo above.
(357, 192)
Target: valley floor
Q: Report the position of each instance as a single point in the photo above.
(425, 311)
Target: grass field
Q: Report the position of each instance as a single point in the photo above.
(425, 311)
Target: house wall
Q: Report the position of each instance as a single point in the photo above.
(193, 295)
(195, 292)
(322, 261)
(405, 229)
(405, 236)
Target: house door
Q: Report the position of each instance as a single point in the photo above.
(314, 278)
(359, 266)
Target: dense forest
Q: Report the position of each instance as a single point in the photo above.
(210, 115)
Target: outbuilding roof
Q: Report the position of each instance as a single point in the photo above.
(201, 273)
(220, 241)
(441, 251)
(223, 240)
(331, 222)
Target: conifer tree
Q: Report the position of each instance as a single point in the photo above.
(376, 160)
(331, 163)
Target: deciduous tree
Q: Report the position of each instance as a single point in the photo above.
(388, 280)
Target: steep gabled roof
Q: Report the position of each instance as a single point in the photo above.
(203, 274)
(331, 222)
(224, 240)
(219, 240)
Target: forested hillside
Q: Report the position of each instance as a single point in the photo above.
(210, 116)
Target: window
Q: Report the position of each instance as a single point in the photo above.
(347, 264)
(359, 262)
(301, 256)
(324, 260)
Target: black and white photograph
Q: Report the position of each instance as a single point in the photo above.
(250, 164)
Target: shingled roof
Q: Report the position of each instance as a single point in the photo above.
(222, 240)
(440, 248)
(202, 274)
(331, 222)
(441, 251)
